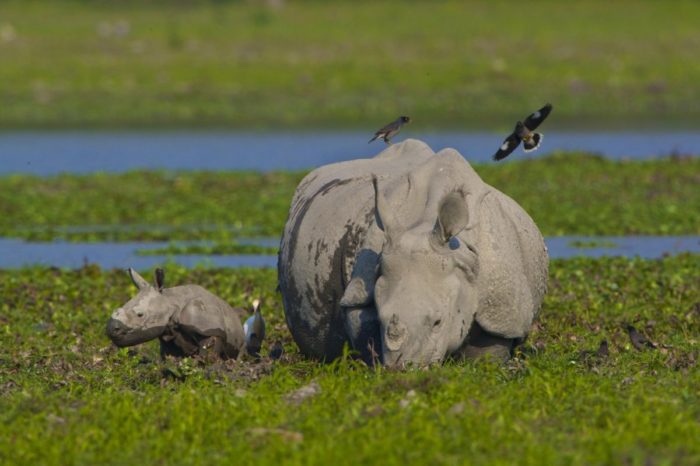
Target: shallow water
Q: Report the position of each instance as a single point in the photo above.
(48, 153)
(17, 253)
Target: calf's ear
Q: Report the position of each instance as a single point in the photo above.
(160, 279)
(138, 280)
(453, 217)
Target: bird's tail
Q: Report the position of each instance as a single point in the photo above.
(373, 139)
(533, 142)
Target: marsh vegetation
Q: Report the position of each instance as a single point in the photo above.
(68, 396)
(566, 194)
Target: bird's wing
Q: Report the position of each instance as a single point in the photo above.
(385, 130)
(508, 146)
(390, 127)
(535, 119)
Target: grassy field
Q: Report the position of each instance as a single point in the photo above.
(448, 64)
(68, 397)
(564, 193)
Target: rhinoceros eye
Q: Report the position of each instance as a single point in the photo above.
(454, 243)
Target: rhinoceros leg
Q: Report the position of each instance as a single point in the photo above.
(362, 327)
(174, 343)
(481, 343)
(213, 348)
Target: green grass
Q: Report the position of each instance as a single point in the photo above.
(565, 194)
(447, 64)
(68, 397)
(159, 205)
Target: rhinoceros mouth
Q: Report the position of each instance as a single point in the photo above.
(121, 335)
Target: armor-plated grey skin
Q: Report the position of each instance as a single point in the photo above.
(409, 256)
(186, 319)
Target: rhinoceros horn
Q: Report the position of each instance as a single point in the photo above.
(395, 334)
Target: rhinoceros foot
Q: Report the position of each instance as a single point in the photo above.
(481, 344)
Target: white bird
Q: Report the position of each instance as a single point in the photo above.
(254, 330)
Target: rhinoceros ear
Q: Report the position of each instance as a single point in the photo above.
(357, 293)
(138, 280)
(453, 217)
(385, 218)
(160, 279)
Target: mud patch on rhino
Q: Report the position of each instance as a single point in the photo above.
(321, 247)
(322, 334)
(326, 294)
(299, 214)
(349, 245)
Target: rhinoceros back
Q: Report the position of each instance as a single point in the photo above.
(331, 211)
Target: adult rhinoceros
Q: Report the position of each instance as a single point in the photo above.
(411, 257)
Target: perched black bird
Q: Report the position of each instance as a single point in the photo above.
(524, 131)
(638, 340)
(602, 352)
(603, 349)
(276, 350)
(391, 130)
(160, 279)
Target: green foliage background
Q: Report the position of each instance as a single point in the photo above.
(450, 64)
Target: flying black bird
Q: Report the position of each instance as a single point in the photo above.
(525, 132)
(638, 340)
(391, 130)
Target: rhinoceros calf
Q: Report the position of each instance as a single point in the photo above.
(409, 257)
(187, 320)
